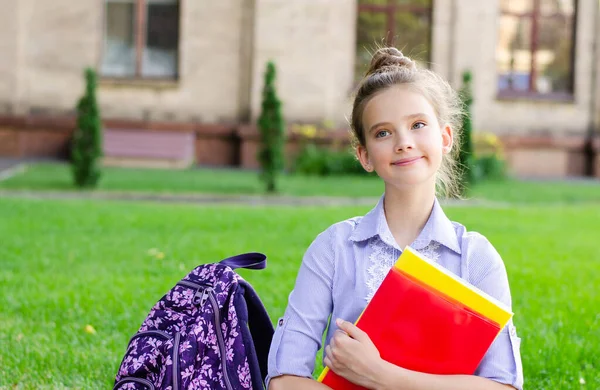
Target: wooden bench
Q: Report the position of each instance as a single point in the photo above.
(148, 148)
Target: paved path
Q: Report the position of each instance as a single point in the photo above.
(250, 200)
(256, 200)
(10, 167)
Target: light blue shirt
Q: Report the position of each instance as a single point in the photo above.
(344, 266)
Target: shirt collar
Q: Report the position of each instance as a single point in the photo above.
(438, 228)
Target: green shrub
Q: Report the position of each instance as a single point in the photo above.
(489, 162)
(490, 167)
(87, 139)
(466, 157)
(314, 160)
(272, 127)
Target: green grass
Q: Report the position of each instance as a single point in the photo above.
(229, 181)
(64, 265)
(216, 181)
(532, 192)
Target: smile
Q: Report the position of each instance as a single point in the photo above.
(406, 161)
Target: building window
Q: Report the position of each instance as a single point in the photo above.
(535, 48)
(405, 24)
(141, 39)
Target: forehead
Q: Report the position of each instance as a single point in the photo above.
(394, 104)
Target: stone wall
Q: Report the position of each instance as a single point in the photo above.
(312, 44)
(9, 47)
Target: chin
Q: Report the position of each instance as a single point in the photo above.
(409, 182)
(410, 179)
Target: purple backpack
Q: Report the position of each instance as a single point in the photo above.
(210, 331)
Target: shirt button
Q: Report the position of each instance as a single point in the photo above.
(281, 322)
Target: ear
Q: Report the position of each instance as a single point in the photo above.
(447, 139)
(363, 157)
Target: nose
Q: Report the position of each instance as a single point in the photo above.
(403, 143)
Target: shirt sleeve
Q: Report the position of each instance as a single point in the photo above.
(502, 361)
(299, 332)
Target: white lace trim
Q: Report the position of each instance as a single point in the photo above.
(383, 257)
(431, 251)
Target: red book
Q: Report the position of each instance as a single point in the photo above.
(415, 326)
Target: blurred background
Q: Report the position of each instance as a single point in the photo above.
(188, 75)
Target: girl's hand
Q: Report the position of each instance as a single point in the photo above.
(352, 355)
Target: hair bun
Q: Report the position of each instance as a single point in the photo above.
(387, 58)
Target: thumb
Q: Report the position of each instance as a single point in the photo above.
(352, 330)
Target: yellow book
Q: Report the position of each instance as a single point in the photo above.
(418, 266)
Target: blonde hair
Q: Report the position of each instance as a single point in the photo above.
(389, 67)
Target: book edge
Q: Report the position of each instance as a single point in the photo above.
(457, 278)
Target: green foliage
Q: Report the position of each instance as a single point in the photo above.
(489, 163)
(228, 182)
(465, 157)
(87, 139)
(489, 167)
(272, 128)
(314, 160)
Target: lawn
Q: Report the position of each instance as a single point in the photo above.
(52, 176)
(65, 265)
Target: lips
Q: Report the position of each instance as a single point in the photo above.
(406, 161)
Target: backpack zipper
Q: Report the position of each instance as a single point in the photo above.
(201, 295)
(206, 293)
(159, 333)
(138, 380)
(176, 361)
(215, 306)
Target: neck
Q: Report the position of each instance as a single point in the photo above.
(407, 211)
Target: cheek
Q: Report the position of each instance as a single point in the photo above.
(435, 150)
(432, 141)
(376, 152)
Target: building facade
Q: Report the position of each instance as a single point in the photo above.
(197, 65)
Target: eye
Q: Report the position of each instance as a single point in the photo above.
(382, 133)
(419, 125)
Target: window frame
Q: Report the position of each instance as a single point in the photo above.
(535, 15)
(389, 10)
(140, 31)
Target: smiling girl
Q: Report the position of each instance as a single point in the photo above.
(405, 121)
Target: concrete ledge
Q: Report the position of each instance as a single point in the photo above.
(545, 156)
(148, 148)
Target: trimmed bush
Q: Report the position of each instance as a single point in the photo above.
(314, 160)
(87, 139)
(466, 157)
(272, 128)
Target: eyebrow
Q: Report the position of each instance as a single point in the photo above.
(410, 116)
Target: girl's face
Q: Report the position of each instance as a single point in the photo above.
(404, 142)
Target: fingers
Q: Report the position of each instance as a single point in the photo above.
(352, 330)
(329, 360)
(338, 346)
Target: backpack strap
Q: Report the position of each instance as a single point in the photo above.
(252, 260)
(258, 333)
